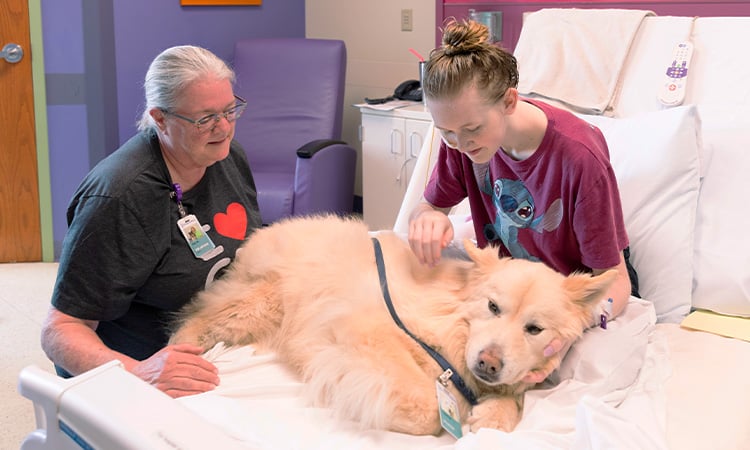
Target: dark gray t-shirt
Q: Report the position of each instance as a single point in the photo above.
(125, 262)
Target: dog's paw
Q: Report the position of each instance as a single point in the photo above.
(188, 335)
(500, 413)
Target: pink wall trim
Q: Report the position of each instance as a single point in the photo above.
(513, 10)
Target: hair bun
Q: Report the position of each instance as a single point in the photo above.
(464, 37)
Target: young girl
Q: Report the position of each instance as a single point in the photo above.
(538, 178)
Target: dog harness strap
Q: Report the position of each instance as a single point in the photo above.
(444, 364)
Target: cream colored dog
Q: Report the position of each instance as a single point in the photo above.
(308, 289)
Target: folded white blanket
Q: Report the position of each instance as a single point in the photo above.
(575, 56)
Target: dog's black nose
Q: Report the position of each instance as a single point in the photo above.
(489, 364)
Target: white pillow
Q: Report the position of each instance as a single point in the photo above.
(656, 158)
(722, 236)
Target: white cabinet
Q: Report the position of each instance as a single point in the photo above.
(391, 141)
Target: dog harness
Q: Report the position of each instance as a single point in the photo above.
(449, 372)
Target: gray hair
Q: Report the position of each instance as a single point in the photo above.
(172, 71)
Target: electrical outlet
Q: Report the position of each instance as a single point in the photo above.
(407, 20)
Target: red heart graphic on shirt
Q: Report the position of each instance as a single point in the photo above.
(233, 224)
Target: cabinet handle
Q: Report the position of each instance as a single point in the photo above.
(397, 142)
(415, 143)
(402, 170)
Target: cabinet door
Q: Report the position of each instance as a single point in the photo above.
(415, 133)
(383, 150)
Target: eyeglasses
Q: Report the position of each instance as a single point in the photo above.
(207, 123)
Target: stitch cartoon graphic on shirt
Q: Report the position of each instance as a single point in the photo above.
(516, 210)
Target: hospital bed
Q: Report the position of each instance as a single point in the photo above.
(652, 380)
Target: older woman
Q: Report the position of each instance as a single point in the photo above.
(153, 223)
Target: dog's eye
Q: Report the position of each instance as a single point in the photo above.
(493, 307)
(533, 329)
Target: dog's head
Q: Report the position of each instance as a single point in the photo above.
(517, 307)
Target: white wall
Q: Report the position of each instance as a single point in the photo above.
(377, 50)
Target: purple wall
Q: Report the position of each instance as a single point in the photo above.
(96, 54)
(143, 28)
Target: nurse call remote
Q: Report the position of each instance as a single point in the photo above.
(672, 92)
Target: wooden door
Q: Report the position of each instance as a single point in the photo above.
(20, 227)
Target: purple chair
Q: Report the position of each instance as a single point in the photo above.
(291, 129)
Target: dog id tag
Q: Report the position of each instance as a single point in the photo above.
(449, 413)
(198, 240)
(606, 313)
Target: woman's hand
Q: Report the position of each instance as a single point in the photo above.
(73, 344)
(178, 370)
(555, 347)
(430, 231)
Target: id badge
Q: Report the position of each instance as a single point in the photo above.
(450, 417)
(198, 240)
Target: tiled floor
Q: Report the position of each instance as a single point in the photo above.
(25, 291)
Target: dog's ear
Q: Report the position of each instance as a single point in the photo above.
(481, 256)
(589, 290)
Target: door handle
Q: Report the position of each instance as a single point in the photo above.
(11, 53)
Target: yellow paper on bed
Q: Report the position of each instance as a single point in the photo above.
(729, 326)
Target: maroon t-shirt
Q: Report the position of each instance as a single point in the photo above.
(560, 206)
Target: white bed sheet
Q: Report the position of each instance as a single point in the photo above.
(636, 385)
(708, 391)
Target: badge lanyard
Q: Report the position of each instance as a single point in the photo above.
(199, 241)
